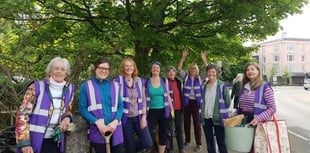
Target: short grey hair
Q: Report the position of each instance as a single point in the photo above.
(56, 60)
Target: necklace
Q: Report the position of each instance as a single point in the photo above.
(129, 82)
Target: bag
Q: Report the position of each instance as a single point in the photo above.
(272, 137)
(169, 142)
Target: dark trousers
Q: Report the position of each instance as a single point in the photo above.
(49, 146)
(192, 110)
(208, 128)
(101, 148)
(131, 130)
(157, 117)
(178, 122)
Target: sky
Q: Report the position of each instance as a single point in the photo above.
(296, 26)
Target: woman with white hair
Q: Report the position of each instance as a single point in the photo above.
(45, 112)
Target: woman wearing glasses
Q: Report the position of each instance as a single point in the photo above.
(101, 104)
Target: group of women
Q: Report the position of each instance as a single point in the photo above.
(131, 107)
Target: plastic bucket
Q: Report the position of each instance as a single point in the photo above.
(239, 138)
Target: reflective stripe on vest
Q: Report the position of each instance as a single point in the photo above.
(94, 134)
(223, 108)
(37, 128)
(94, 105)
(259, 100)
(40, 114)
(38, 110)
(197, 90)
(261, 93)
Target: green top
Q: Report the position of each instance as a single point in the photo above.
(156, 97)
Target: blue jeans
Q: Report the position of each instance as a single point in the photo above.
(131, 130)
(219, 133)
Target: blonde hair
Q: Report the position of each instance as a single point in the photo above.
(258, 81)
(193, 65)
(121, 69)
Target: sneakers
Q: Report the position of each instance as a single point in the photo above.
(186, 145)
(198, 148)
(182, 151)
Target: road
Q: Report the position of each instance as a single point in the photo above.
(293, 105)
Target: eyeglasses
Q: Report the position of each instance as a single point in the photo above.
(103, 68)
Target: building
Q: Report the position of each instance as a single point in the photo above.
(284, 61)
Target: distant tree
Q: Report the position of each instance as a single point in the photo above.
(272, 73)
(286, 76)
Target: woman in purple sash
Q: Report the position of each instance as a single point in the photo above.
(134, 114)
(216, 101)
(100, 103)
(45, 112)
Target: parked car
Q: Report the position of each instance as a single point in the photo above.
(8, 140)
(307, 83)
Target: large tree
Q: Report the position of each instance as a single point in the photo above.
(160, 28)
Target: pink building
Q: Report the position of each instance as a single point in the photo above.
(285, 56)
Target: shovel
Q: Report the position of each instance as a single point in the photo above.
(107, 135)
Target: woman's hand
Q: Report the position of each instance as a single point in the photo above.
(64, 124)
(112, 126)
(101, 126)
(143, 122)
(204, 57)
(185, 53)
(254, 122)
(27, 149)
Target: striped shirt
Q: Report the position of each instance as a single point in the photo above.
(246, 103)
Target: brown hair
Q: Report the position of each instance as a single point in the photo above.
(258, 81)
(214, 66)
(121, 69)
(100, 61)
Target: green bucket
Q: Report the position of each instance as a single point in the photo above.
(239, 138)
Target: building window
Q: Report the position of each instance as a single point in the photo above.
(276, 48)
(290, 68)
(302, 48)
(263, 49)
(302, 57)
(276, 58)
(290, 47)
(290, 58)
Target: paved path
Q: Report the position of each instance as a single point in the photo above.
(193, 143)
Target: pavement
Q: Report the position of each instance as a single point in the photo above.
(191, 148)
